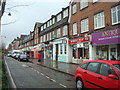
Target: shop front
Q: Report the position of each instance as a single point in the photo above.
(80, 48)
(106, 44)
(41, 51)
(60, 50)
(49, 51)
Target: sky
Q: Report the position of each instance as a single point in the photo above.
(24, 15)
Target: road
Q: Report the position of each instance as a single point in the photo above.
(29, 75)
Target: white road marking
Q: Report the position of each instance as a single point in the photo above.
(38, 72)
(47, 77)
(53, 80)
(24, 65)
(42, 74)
(63, 85)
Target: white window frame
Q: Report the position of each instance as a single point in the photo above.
(84, 25)
(99, 20)
(44, 26)
(65, 30)
(65, 13)
(58, 32)
(53, 20)
(83, 4)
(50, 35)
(59, 17)
(41, 39)
(115, 11)
(48, 24)
(74, 9)
(44, 38)
(41, 28)
(47, 37)
(74, 28)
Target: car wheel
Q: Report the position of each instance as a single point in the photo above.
(79, 84)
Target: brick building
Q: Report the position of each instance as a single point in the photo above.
(88, 18)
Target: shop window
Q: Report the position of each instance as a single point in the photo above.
(102, 52)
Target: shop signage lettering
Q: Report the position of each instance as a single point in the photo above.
(106, 37)
(78, 40)
(110, 33)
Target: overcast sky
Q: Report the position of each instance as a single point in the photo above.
(24, 16)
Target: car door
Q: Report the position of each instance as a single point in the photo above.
(102, 79)
(90, 74)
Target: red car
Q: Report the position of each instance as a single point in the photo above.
(104, 74)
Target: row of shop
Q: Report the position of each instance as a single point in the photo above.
(104, 45)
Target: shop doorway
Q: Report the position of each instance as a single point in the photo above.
(57, 52)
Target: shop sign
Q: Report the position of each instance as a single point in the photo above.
(78, 40)
(106, 37)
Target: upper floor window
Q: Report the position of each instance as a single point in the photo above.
(84, 25)
(44, 38)
(41, 39)
(95, 1)
(53, 20)
(48, 24)
(74, 9)
(58, 32)
(65, 30)
(41, 28)
(115, 15)
(99, 21)
(58, 17)
(74, 28)
(47, 37)
(44, 26)
(65, 13)
(83, 4)
(50, 35)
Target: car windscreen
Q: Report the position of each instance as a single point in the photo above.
(117, 66)
(23, 56)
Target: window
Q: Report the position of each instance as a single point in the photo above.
(60, 48)
(58, 17)
(41, 28)
(44, 38)
(48, 24)
(65, 30)
(65, 48)
(53, 35)
(74, 9)
(99, 20)
(65, 13)
(50, 35)
(47, 37)
(41, 39)
(84, 25)
(115, 15)
(106, 70)
(95, 1)
(93, 67)
(53, 20)
(83, 4)
(58, 32)
(83, 66)
(74, 28)
(44, 26)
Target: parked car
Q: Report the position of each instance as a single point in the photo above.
(98, 74)
(17, 55)
(23, 57)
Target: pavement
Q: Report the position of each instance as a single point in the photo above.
(66, 68)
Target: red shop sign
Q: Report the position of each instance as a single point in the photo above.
(78, 40)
